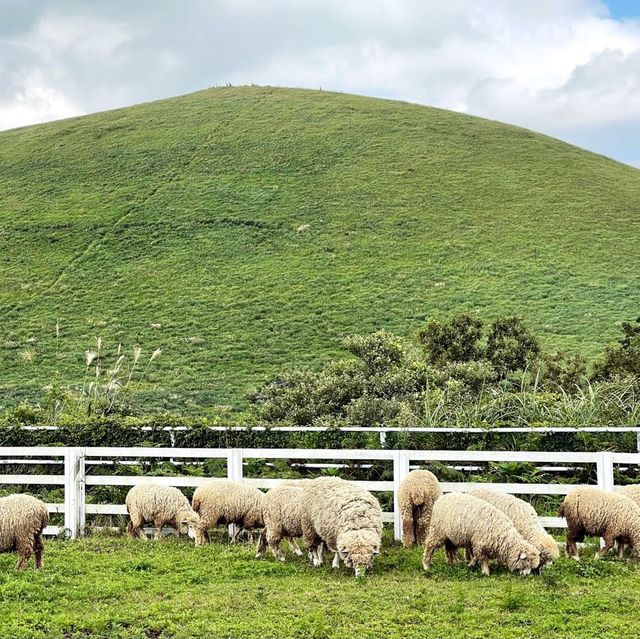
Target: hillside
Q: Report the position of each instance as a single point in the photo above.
(245, 229)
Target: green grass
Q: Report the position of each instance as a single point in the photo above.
(258, 226)
(112, 587)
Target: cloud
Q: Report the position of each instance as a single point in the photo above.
(564, 67)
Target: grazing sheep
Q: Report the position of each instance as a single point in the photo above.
(345, 517)
(282, 515)
(417, 493)
(22, 520)
(228, 502)
(525, 519)
(463, 521)
(160, 506)
(612, 516)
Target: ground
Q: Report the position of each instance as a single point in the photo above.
(113, 587)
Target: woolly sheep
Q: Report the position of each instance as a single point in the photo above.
(160, 506)
(632, 491)
(463, 521)
(525, 519)
(612, 516)
(346, 518)
(417, 493)
(22, 520)
(282, 515)
(228, 502)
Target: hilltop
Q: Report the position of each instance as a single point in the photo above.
(246, 229)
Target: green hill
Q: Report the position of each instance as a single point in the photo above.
(242, 230)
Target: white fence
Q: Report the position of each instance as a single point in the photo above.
(77, 460)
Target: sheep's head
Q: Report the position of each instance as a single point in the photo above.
(524, 558)
(357, 548)
(188, 523)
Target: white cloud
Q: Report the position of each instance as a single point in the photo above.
(560, 66)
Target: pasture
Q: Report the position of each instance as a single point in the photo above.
(110, 586)
(246, 230)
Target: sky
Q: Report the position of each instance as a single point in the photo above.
(568, 68)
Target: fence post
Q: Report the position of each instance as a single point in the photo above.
(234, 473)
(604, 467)
(74, 492)
(400, 471)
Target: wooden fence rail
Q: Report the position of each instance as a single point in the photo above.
(76, 461)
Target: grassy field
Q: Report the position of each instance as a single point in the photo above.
(243, 230)
(112, 587)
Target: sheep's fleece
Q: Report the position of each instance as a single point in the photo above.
(347, 518)
(525, 519)
(612, 516)
(228, 502)
(463, 521)
(282, 514)
(22, 520)
(161, 506)
(417, 493)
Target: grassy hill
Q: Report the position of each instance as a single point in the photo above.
(242, 230)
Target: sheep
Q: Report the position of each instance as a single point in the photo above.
(463, 521)
(282, 516)
(525, 519)
(22, 520)
(160, 505)
(416, 495)
(346, 518)
(632, 491)
(228, 502)
(612, 516)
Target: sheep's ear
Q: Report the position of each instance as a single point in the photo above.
(523, 555)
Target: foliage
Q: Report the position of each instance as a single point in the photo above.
(624, 359)
(194, 224)
(394, 383)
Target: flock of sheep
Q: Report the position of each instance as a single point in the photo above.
(334, 514)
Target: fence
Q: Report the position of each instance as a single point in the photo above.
(76, 460)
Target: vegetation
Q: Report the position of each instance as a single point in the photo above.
(247, 230)
(111, 587)
(462, 376)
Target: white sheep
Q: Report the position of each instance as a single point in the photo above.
(160, 506)
(525, 519)
(225, 502)
(612, 516)
(282, 515)
(345, 517)
(463, 521)
(22, 520)
(417, 493)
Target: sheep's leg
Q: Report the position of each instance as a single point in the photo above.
(25, 550)
(336, 560)
(236, 534)
(158, 523)
(293, 546)
(484, 566)
(621, 548)
(423, 519)
(451, 552)
(202, 536)
(134, 528)
(274, 537)
(38, 546)
(320, 553)
(608, 544)
(262, 544)
(408, 535)
(573, 536)
(468, 554)
(431, 545)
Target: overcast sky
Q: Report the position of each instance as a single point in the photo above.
(569, 68)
